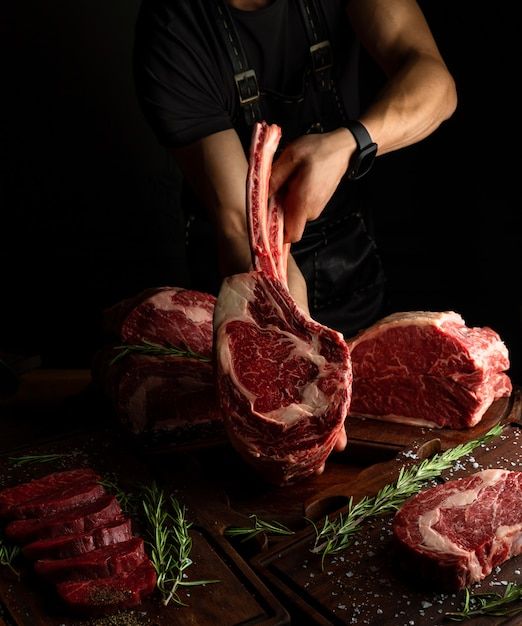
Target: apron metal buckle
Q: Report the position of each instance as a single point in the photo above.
(247, 87)
(322, 58)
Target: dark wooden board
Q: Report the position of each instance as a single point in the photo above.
(367, 433)
(425, 442)
(363, 585)
(239, 598)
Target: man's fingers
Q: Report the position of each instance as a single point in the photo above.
(282, 170)
(296, 209)
(294, 230)
(341, 442)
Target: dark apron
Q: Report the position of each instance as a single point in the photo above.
(337, 255)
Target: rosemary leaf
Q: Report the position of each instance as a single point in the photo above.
(126, 500)
(258, 526)
(170, 542)
(8, 554)
(30, 459)
(337, 533)
(490, 604)
(154, 349)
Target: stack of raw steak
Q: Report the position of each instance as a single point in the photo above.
(455, 534)
(163, 393)
(427, 369)
(79, 539)
(284, 380)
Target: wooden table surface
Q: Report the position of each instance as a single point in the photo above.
(54, 403)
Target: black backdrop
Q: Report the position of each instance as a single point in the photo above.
(89, 202)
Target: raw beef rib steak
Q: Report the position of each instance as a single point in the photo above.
(456, 533)
(165, 316)
(284, 380)
(428, 369)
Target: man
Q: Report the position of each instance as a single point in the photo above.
(206, 69)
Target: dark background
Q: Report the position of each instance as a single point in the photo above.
(89, 201)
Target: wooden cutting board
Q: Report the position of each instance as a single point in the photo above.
(363, 585)
(239, 598)
(365, 434)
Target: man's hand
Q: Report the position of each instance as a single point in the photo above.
(297, 285)
(307, 174)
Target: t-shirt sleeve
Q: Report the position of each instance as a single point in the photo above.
(179, 85)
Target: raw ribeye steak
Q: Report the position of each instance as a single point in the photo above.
(428, 369)
(120, 591)
(109, 560)
(454, 534)
(68, 546)
(165, 393)
(46, 487)
(284, 380)
(81, 519)
(165, 316)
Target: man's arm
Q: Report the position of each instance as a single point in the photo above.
(216, 168)
(418, 96)
(420, 92)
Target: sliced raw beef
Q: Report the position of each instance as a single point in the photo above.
(165, 316)
(454, 534)
(41, 488)
(61, 501)
(82, 519)
(79, 538)
(72, 545)
(109, 560)
(428, 369)
(165, 394)
(284, 380)
(120, 591)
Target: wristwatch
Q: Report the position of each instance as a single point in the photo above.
(362, 159)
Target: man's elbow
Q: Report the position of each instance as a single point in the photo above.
(449, 99)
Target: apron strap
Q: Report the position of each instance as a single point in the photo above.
(244, 77)
(321, 53)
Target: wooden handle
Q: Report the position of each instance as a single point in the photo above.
(367, 482)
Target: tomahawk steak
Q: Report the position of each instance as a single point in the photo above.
(284, 380)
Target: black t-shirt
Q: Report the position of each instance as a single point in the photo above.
(184, 79)
(185, 84)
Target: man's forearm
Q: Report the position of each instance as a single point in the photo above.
(420, 92)
(413, 103)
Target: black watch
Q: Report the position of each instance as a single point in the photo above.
(363, 158)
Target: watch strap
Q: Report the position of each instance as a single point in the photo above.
(365, 153)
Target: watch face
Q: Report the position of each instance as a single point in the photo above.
(363, 161)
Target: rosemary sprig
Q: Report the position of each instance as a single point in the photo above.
(170, 542)
(337, 533)
(126, 500)
(154, 349)
(490, 604)
(31, 459)
(8, 554)
(258, 526)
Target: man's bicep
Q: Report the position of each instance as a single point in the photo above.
(216, 167)
(391, 30)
